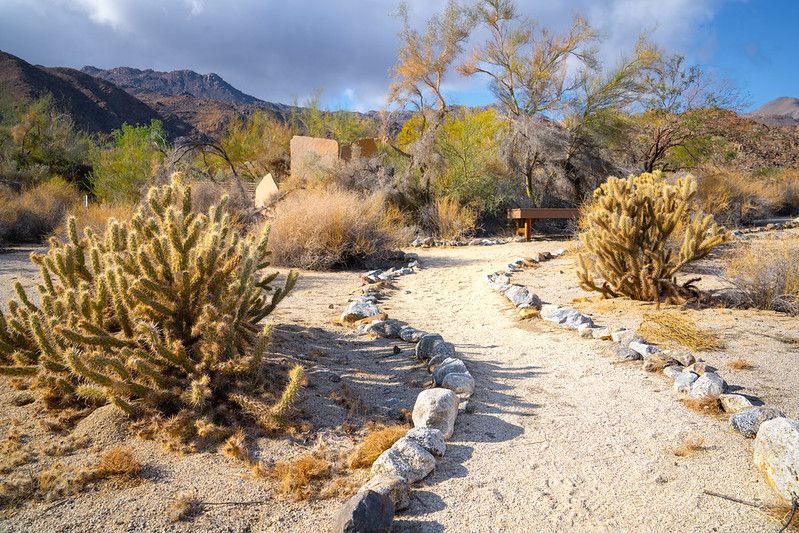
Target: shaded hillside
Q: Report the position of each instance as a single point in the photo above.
(95, 105)
(756, 145)
(783, 111)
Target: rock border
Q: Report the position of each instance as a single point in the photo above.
(414, 456)
(431, 242)
(776, 447)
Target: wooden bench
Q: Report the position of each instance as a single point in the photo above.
(526, 216)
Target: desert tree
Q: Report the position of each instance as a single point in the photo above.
(680, 105)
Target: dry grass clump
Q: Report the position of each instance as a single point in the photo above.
(33, 214)
(688, 446)
(184, 507)
(782, 513)
(304, 476)
(706, 406)
(672, 327)
(119, 461)
(96, 216)
(736, 197)
(447, 219)
(739, 363)
(377, 440)
(235, 447)
(765, 274)
(330, 228)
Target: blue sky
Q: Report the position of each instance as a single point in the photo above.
(757, 44)
(282, 50)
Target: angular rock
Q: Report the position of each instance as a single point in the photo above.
(557, 253)
(644, 348)
(700, 367)
(436, 408)
(461, 383)
(388, 329)
(709, 385)
(448, 366)
(655, 362)
(617, 334)
(436, 362)
(626, 353)
(777, 456)
(585, 331)
(408, 334)
(521, 297)
(395, 487)
(575, 319)
(748, 422)
(683, 383)
(405, 459)
(734, 403)
(430, 439)
(358, 309)
(425, 345)
(365, 511)
(602, 333)
(672, 371)
(684, 358)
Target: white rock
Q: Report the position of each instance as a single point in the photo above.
(586, 331)
(574, 319)
(617, 334)
(777, 456)
(672, 371)
(734, 403)
(601, 332)
(395, 487)
(709, 385)
(644, 348)
(436, 408)
(405, 459)
(559, 252)
(358, 309)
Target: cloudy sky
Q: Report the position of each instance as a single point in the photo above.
(279, 50)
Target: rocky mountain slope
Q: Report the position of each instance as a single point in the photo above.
(783, 111)
(94, 104)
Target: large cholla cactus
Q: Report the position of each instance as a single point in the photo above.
(638, 232)
(162, 311)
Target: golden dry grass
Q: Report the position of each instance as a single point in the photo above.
(302, 477)
(95, 217)
(119, 461)
(674, 328)
(706, 406)
(447, 219)
(688, 446)
(766, 274)
(739, 363)
(235, 447)
(377, 440)
(325, 229)
(33, 214)
(184, 507)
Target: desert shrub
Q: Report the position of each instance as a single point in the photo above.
(95, 216)
(206, 193)
(638, 233)
(765, 274)
(160, 313)
(329, 228)
(35, 213)
(737, 197)
(377, 440)
(446, 218)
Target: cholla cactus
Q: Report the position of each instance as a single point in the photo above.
(638, 232)
(162, 311)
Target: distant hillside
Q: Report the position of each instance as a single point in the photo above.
(94, 104)
(783, 111)
(174, 83)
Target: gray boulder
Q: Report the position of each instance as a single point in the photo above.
(461, 383)
(436, 408)
(409, 334)
(366, 511)
(446, 349)
(748, 422)
(626, 353)
(425, 345)
(392, 486)
(436, 362)
(388, 329)
(405, 459)
(448, 366)
(575, 319)
(521, 297)
(672, 371)
(683, 383)
(430, 439)
(777, 456)
(709, 385)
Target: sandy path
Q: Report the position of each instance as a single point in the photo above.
(560, 439)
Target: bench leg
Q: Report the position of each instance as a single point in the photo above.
(528, 228)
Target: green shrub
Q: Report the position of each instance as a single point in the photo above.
(161, 312)
(638, 233)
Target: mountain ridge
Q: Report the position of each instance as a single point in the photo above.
(781, 111)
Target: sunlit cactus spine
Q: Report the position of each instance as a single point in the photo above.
(159, 312)
(637, 233)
